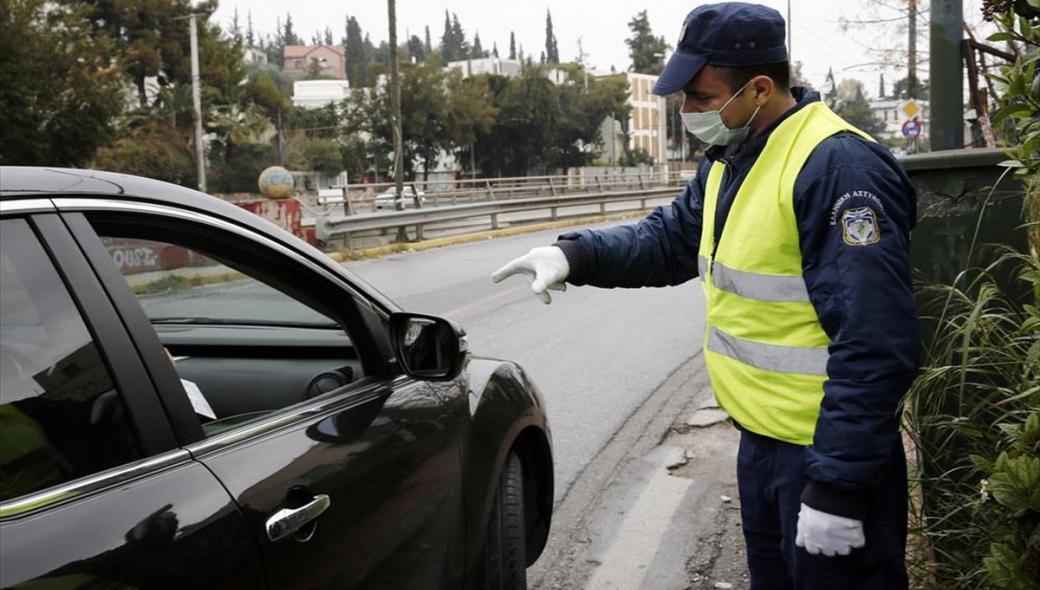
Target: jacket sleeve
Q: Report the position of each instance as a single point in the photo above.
(657, 251)
(855, 209)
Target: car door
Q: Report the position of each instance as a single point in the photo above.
(356, 484)
(94, 491)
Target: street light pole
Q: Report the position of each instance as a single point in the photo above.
(196, 99)
(790, 49)
(395, 99)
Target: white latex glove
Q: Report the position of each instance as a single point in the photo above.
(829, 534)
(547, 267)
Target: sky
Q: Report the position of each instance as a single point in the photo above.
(818, 38)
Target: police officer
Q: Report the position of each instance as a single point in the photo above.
(798, 225)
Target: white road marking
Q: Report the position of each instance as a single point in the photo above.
(626, 563)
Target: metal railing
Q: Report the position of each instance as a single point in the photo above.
(328, 228)
(357, 198)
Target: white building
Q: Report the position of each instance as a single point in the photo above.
(486, 65)
(314, 94)
(254, 56)
(646, 123)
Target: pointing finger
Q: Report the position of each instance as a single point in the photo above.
(510, 269)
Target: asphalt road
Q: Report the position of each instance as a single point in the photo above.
(596, 354)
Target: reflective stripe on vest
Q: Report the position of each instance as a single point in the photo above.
(762, 287)
(771, 357)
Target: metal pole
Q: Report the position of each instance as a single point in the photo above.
(613, 138)
(395, 98)
(790, 46)
(911, 69)
(196, 99)
(946, 77)
(281, 142)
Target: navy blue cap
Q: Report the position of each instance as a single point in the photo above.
(726, 34)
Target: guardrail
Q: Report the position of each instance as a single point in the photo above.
(328, 228)
(354, 198)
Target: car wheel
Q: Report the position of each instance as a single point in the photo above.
(505, 559)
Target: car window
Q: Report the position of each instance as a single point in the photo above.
(61, 415)
(244, 328)
(175, 284)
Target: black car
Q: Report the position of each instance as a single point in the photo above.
(191, 397)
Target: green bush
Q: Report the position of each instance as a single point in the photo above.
(974, 415)
(241, 171)
(153, 150)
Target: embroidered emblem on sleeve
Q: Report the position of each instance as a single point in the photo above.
(859, 227)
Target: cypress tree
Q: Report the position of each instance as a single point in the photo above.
(447, 47)
(552, 51)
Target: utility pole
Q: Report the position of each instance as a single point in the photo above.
(790, 46)
(395, 99)
(946, 76)
(911, 74)
(196, 96)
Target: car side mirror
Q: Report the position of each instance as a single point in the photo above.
(428, 347)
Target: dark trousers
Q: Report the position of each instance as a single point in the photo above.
(770, 476)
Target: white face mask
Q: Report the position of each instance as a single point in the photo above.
(709, 128)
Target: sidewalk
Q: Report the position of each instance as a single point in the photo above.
(657, 508)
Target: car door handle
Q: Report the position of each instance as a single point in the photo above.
(289, 520)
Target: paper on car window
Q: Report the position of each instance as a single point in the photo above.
(198, 401)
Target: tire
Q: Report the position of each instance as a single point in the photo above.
(505, 558)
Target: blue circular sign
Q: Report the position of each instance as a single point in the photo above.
(912, 128)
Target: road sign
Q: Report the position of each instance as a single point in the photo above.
(911, 108)
(912, 129)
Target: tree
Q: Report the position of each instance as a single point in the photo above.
(494, 49)
(250, 37)
(61, 91)
(289, 36)
(470, 112)
(645, 50)
(460, 45)
(147, 39)
(152, 149)
(314, 69)
(552, 50)
(797, 77)
(357, 59)
(448, 48)
(541, 127)
(890, 23)
(854, 108)
(322, 155)
(235, 31)
(415, 48)
(477, 51)
(512, 45)
(427, 47)
(901, 89)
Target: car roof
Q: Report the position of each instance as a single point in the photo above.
(26, 182)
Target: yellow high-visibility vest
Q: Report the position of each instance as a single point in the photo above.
(764, 347)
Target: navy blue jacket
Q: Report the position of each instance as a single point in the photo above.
(861, 293)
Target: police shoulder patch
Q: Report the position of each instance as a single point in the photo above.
(859, 227)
